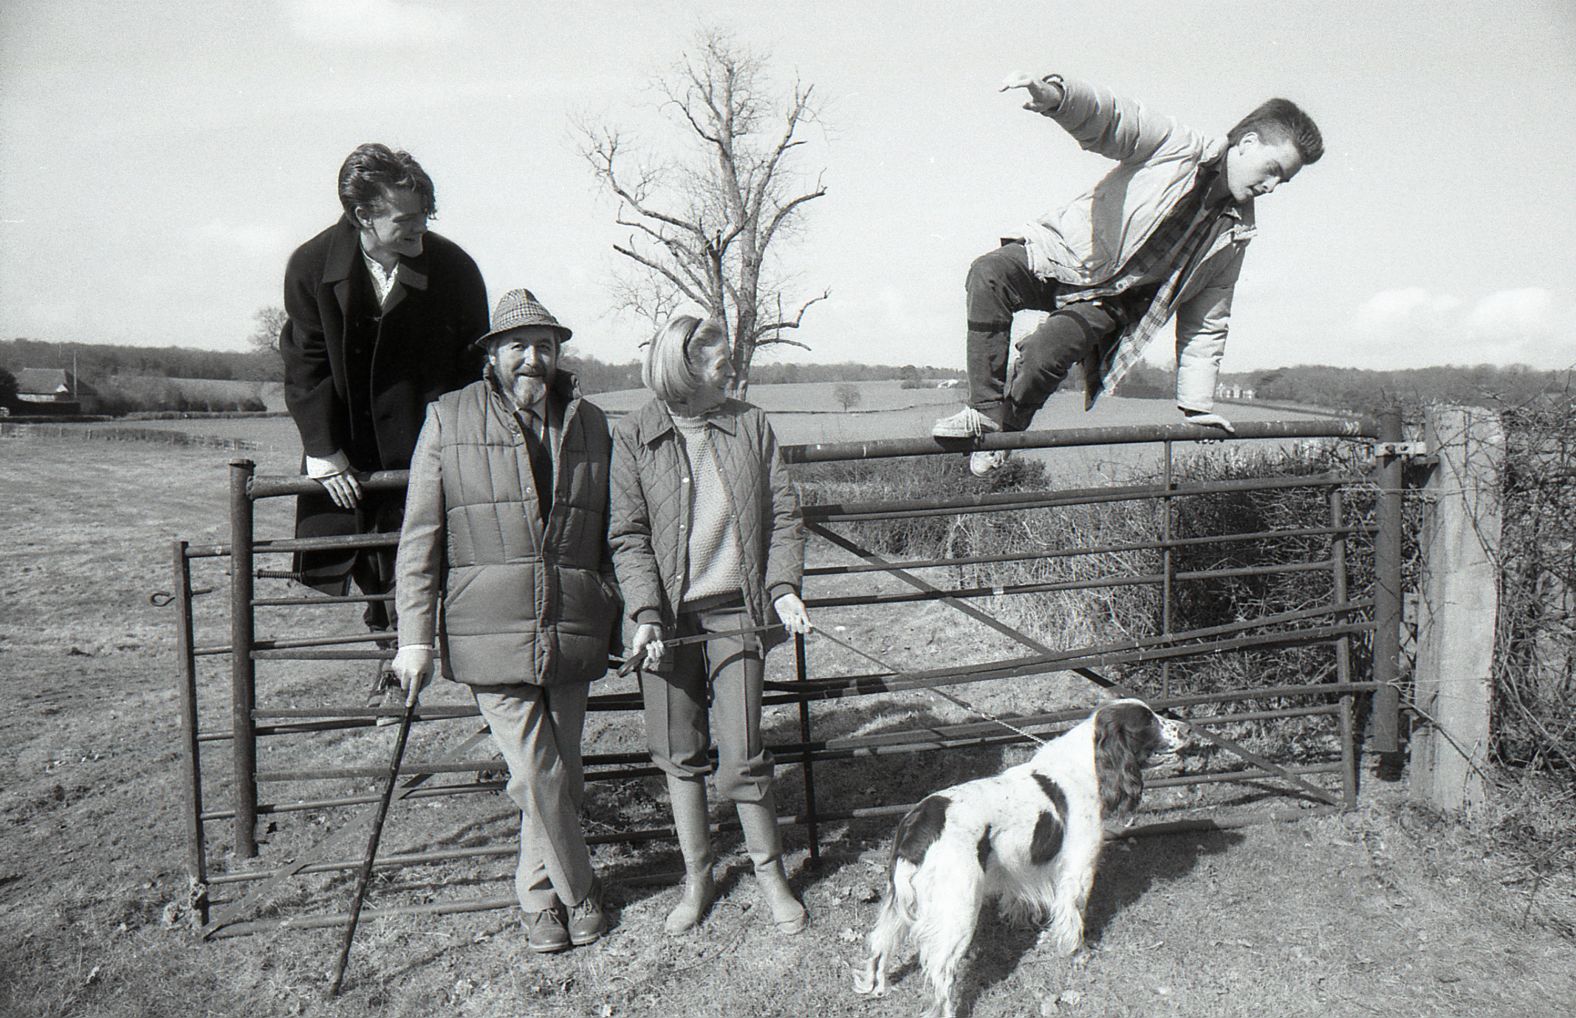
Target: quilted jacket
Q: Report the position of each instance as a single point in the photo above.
(650, 515)
(525, 600)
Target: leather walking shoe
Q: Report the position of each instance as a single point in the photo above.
(545, 932)
(587, 921)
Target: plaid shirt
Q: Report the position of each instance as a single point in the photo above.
(1165, 249)
(1167, 258)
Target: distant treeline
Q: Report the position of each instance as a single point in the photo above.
(109, 367)
(597, 376)
(1362, 391)
(98, 361)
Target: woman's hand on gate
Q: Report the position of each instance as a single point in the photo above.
(791, 610)
(648, 638)
(413, 667)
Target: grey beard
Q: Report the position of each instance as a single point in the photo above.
(526, 390)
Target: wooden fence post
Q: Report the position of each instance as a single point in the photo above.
(1458, 607)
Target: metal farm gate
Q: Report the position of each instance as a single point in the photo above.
(225, 725)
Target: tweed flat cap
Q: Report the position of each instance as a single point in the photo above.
(517, 309)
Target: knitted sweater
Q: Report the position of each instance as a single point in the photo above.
(714, 562)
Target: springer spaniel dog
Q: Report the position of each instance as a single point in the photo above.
(1029, 837)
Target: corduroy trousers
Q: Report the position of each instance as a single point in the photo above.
(537, 729)
(711, 690)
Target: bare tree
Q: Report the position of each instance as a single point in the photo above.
(848, 395)
(265, 336)
(702, 226)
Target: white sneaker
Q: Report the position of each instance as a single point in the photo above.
(966, 423)
(983, 464)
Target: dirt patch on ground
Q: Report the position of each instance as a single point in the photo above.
(1382, 911)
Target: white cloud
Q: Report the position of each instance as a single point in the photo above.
(1416, 327)
(371, 24)
(1406, 313)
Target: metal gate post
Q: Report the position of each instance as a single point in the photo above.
(1387, 589)
(197, 859)
(243, 671)
(1167, 568)
(811, 826)
(1343, 648)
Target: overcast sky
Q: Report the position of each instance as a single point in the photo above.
(159, 161)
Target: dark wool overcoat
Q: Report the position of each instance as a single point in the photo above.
(358, 378)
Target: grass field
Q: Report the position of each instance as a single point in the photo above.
(808, 412)
(1382, 911)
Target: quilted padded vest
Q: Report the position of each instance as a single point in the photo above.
(525, 600)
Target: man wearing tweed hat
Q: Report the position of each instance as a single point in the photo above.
(506, 522)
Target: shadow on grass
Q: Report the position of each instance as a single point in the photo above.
(1128, 871)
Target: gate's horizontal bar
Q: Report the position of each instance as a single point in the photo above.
(964, 736)
(307, 641)
(988, 733)
(1143, 643)
(838, 688)
(316, 922)
(322, 654)
(276, 485)
(281, 602)
(1099, 549)
(1251, 774)
(1001, 501)
(1364, 427)
(342, 542)
(308, 805)
(1050, 586)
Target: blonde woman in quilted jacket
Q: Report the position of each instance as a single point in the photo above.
(707, 538)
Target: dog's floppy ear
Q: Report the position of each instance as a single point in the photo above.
(1118, 757)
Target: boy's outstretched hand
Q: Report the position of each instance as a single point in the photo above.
(1043, 95)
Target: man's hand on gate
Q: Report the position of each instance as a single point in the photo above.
(343, 488)
(1043, 95)
(1213, 420)
(413, 667)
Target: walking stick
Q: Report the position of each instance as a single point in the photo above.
(372, 849)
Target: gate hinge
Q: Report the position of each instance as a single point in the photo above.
(1417, 451)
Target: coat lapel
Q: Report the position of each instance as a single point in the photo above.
(412, 275)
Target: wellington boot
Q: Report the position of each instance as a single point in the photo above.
(693, 826)
(764, 843)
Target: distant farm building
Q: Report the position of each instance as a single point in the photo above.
(53, 391)
(1226, 390)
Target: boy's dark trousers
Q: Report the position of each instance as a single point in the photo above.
(1000, 283)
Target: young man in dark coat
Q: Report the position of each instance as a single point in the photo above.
(382, 320)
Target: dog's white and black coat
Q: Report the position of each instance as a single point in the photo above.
(1028, 837)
